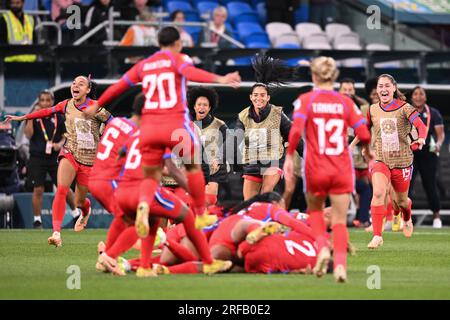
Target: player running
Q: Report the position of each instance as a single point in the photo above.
(325, 115)
(165, 120)
(78, 153)
(392, 119)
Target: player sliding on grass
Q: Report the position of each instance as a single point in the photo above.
(325, 115)
(165, 120)
(78, 154)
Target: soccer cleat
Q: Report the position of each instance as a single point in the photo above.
(320, 269)
(396, 222)
(377, 241)
(101, 247)
(123, 265)
(204, 220)
(141, 223)
(408, 228)
(160, 269)
(264, 231)
(145, 273)
(217, 266)
(55, 239)
(160, 238)
(340, 274)
(83, 218)
(110, 264)
(437, 223)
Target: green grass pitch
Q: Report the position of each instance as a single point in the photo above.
(416, 268)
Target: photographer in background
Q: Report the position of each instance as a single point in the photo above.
(426, 161)
(46, 140)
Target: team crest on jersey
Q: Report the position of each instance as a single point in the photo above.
(389, 134)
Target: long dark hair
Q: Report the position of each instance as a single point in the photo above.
(263, 197)
(209, 93)
(397, 94)
(93, 86)
(271, 73)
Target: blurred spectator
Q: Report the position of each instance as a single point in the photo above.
(371, 90)
(322, 12)
(97, 13)
(217, 25)
(132, 9)
(16, 27)
(140, 35)
(46, 140)
(9, 182)
(186, 39)
(281, 10)
(426, 161)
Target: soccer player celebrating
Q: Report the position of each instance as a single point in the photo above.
(392, 119)
(78, 154)
(264, 128)
(325, 115)
(165, 119)
(202, 103)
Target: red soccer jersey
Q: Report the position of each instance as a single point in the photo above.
(261, 211)
(106, 165)
(132, 170)
(326, 115)
(164, 82)
(279, 253)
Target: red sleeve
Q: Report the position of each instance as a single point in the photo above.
(369, 118)
(129, 79)
(195, 74)
(418, 123)
(43, 113)
(244, 248)
(295, 134)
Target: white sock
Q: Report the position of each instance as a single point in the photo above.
(75, 213)
(37, 218)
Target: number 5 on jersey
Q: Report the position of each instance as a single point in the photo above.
(164, 84)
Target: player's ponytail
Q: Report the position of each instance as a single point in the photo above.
(397, 94)
(267, 197)
(270, 72)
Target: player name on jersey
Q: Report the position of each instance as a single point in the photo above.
(332, 108)
(157, 65)
(122, 125)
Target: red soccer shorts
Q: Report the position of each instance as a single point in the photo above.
(103, 192)
(399, 178)
(176, 233)
(164, 205)
(324, 184)
(81, 170)
(222, 235)
(173, 132)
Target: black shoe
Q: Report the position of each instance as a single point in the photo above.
(37, 224)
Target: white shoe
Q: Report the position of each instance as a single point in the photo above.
(377, 241)
(408, 229)
(340, 274)
(55, 239)
(437, 223)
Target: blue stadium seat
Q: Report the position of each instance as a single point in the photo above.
(225, 2)
(30, 5)
(288, 46)
(245, 29)
(255, 3)
(191, 16)
(230, 27)
(258, 45)
(262, 12)
(179, 5)
(47, 4)
(243, 61)
(86, 2)
(196, 2)
(257, 37)
(301, 14)
(237, 8)
(246, 17)
(206, 7)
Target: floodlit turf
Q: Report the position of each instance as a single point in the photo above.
(416, 268)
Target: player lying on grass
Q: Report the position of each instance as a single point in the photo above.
(166, 205)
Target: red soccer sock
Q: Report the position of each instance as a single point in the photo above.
(211, 199)
(187, 267)
(123, 243)
(377, 219)
(294, 224)
(407, 212)
(115, 229)
(85, 207)
(135, 263)
(389, 211)
(147, 190)
(318, 228)
(196, 185)
(147, 245)
(59, 207)
(340, 241)
(197, 238)
(180, 251)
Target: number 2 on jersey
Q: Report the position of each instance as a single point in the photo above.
(307, 249)
(153, 82)
(336, 137)
(106, 141)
